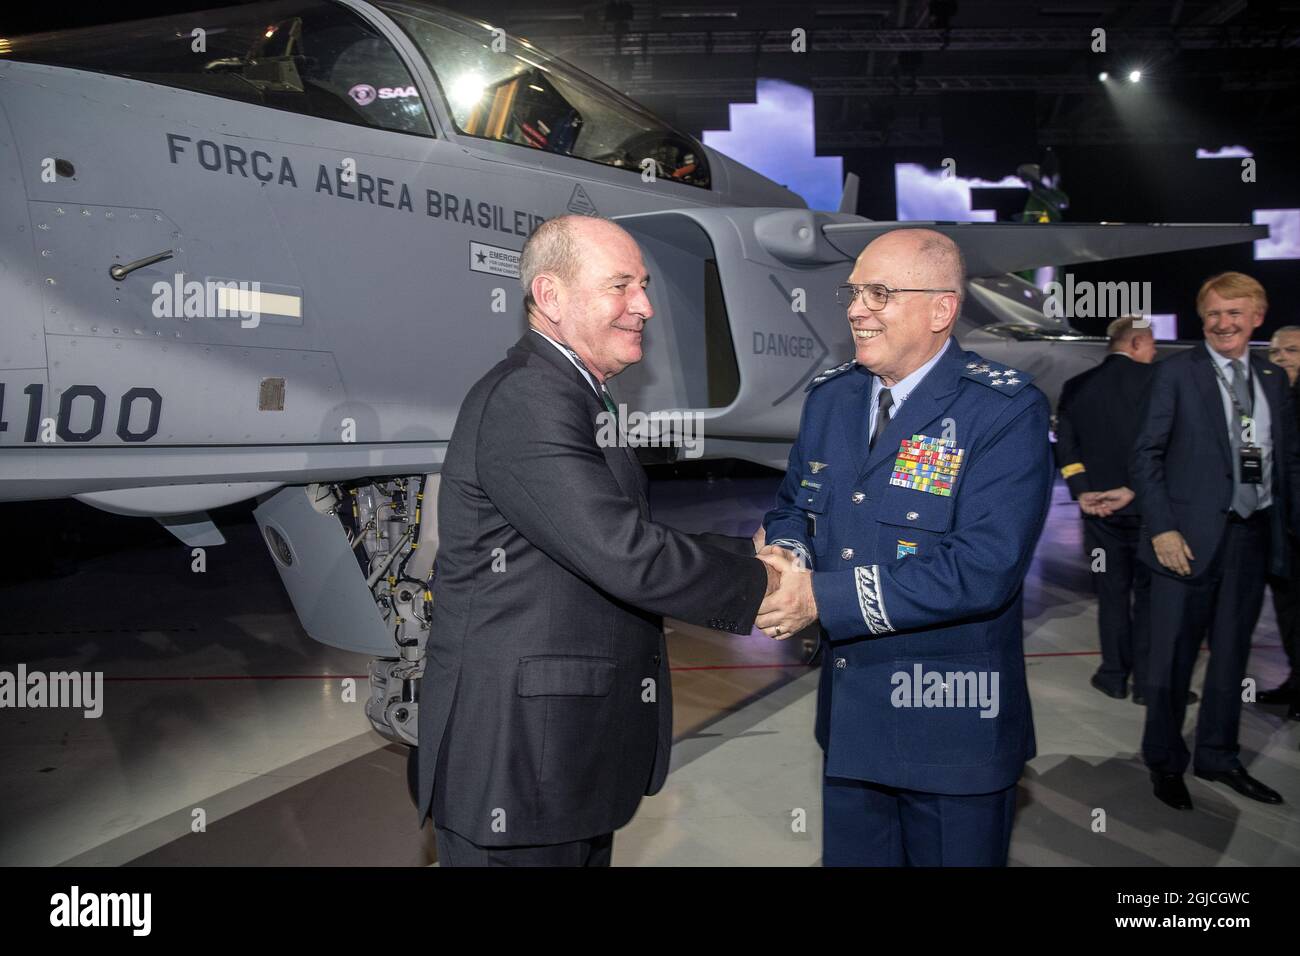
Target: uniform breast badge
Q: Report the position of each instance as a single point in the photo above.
(927, 464)
(905, 548)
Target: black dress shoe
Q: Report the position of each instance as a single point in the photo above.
(1286, 693)
(1096, 682)
(1170, 789)
(1243, 783)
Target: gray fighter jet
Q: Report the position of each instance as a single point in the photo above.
(263, 251)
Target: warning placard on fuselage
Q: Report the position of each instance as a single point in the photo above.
(493, 259)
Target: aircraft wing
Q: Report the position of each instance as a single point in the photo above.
(995, 248)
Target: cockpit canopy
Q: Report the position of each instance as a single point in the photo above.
(501, 88)
(321, 59)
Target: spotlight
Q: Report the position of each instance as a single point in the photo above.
(1135, 76)
(1103, 76)
(466, 90)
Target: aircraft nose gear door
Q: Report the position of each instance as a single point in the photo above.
(357, 562)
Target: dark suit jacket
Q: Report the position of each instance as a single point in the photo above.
(1097, 422)
(546, 708)
(1182, 463)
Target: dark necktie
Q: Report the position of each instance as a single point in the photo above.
(609, 402)
(884, 403)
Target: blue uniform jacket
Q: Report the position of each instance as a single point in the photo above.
(919, 592)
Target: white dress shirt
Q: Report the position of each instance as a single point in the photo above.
(569, 355)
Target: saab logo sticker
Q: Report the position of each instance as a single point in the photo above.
(365, 94)
(494, 260)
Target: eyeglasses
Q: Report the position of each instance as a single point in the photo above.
(875, 295)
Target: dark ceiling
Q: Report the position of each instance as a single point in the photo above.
(878, 69)
(911, 73)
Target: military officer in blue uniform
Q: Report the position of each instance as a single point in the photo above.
(916, 492)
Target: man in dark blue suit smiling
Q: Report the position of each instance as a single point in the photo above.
(916, 491)
(1217, 473)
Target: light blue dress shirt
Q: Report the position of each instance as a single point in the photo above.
(900, 389)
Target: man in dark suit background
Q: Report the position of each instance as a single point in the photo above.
(1097, 421)
(1217, 474)
(546, 707)
(1284, 352)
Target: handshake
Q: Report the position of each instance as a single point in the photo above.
(789, 605)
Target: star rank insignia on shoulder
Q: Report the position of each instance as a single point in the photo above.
(1000, 378)
(829, 374)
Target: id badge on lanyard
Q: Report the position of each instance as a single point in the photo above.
(1250, 456)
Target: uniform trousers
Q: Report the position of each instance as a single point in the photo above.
(1123, 601)
(869, 824)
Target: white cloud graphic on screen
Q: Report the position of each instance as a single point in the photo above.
(775, 137)
(1283, 240)
(928, 194)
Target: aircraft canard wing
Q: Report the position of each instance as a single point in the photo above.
(995, 248)
(849, 198)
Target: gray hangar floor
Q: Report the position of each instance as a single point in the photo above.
(217, 701)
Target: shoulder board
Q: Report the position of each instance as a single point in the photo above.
(830, 373)
(998, 377)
